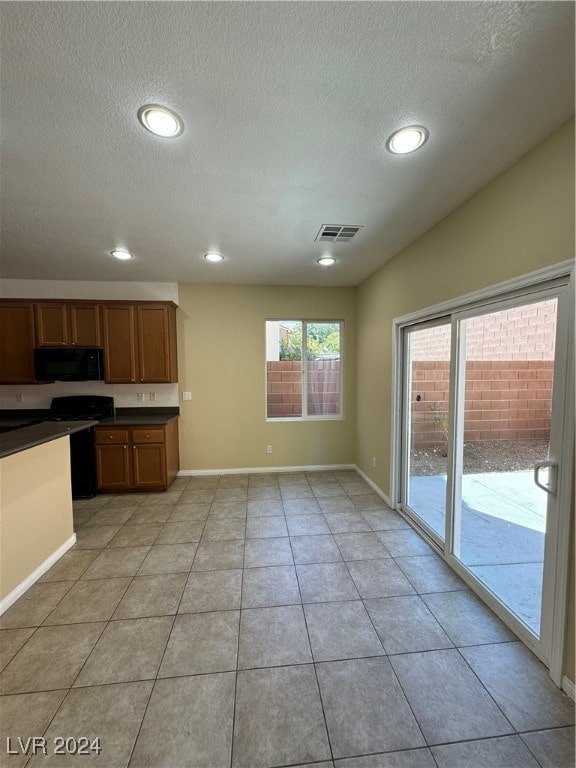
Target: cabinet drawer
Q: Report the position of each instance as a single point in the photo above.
(111, 436)
(147, 435)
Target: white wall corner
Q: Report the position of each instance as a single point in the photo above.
(25, 585)
(373, 485)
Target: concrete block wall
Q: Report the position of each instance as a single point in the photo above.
(520, 333)
(284, 388)
(508, 400)
(505, 400)
(509, 373)
(430, 390)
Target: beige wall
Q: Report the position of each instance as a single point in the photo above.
(221, 339)
(36, 516)
(521, 222)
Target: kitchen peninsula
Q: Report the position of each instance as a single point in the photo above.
(36, 523)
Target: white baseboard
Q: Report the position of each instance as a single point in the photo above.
(373, 485)
(569, 687)
(35, 575)
(265, 470)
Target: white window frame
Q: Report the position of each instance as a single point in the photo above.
(305, 416)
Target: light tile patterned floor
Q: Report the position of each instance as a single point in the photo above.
(251, 621)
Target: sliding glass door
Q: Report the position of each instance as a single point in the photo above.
(426, 402)
(500, 514)
(483, 398)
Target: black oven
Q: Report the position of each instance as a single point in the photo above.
(82, 459)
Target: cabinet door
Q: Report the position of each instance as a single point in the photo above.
(155, 343)
(149, 465)
(119, 343)
(16, 343)
(113, 467)
(84, 325)
(51, 325)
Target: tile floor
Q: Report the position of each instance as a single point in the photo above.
(268, 620)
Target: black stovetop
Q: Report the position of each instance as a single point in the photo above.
(78, 407)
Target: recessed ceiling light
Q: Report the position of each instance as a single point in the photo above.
(122, 254)
(407, 139)
(214, 257)
(160, 121)
(327, 261)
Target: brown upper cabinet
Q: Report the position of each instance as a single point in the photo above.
(138, 338)
(140, 343)
(157, 342)
(119, 328)
(67, 325)
(16, 342)
(84, 325)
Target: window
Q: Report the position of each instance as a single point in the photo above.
(300, 386)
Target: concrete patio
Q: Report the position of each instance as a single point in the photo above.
(503, 524)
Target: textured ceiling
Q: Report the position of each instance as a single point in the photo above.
(287, 106)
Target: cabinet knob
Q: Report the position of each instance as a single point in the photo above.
(110, 437)
(147, 436)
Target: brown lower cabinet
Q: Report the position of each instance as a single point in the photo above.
(142, 458)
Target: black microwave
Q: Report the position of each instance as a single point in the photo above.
(68, 364)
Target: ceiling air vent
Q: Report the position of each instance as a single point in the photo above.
(336, 233)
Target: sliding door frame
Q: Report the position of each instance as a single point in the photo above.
(406, 382)
(543, 644)
(516, 291)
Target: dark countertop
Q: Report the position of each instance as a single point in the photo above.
(37, 434)
(135, 420)
(124, 417)
(20, 418)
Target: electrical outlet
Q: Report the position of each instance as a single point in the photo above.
(140, 396)
(186, 395)
(268, 449)
(153, 396)
(19, 398)
(373, 461)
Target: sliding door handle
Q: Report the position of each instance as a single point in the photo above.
(552, 476)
